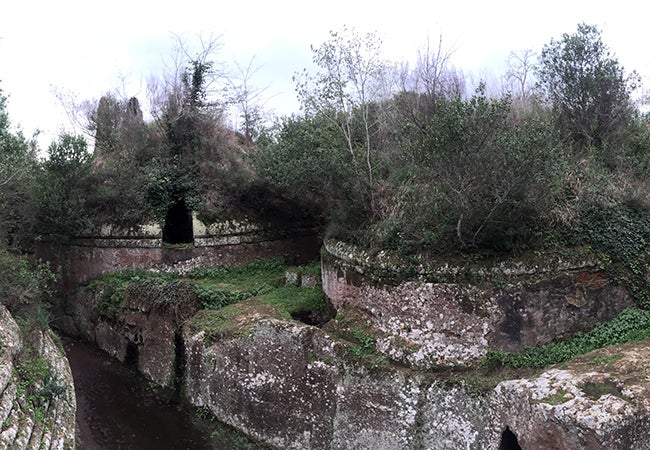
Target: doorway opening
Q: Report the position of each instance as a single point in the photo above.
(178, 224)
(509, 440)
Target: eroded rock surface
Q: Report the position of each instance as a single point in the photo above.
(600, 401)
(37, 402)
(458, 318)
(141, 329)
(294, 386)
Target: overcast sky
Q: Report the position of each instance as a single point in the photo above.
(87, 47)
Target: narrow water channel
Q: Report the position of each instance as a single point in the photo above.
(117, 409)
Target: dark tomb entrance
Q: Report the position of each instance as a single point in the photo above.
(178, 224)
(509, 440)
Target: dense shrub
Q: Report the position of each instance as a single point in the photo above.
(309, 164)
(21, 281)
(479, 181)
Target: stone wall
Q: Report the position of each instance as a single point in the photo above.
(467, 310)
(34, 415)
(89, 258)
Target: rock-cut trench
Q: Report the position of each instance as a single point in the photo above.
(118, 409)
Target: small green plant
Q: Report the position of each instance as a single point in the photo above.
(37, 384)
(203, 413)
(366, 344)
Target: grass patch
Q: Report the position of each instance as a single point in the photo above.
(291, 300)
(259, 272)
(226, 290)
(604, 360)
(216, 296)
(556, 399)
(220, 286)
(596, 390)
(360, 339)
(630, 325)
(232, 320)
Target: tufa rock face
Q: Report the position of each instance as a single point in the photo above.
(37, 401)
(141, 330)
(275, 382)
(456, 320)
(600, 401)
(294, 386)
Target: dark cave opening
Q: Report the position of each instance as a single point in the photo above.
(315, 318)
(178, 224)
(131, 356)
(509, 440)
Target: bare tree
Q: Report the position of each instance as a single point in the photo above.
(432, 79)
(519, 74)
(350, 81)
(247, 99)
(433, 74)
(192, 78)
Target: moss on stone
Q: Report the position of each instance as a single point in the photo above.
(595, 390)
(290, 300)
(232, 320)
(561, 396)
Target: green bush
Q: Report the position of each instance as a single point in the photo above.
(308, 163)
(113, 286)
(477, 181)
(621, 234)
(215, 298)
(22, 282)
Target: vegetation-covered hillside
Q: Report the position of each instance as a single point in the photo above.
(409, 159)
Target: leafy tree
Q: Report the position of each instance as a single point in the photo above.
(586, 87)
(186, 115)
(477, 181)
(21, 282)
(18, 174)
(305, 163)
(124, 151)
(62, 212)
(430, 81)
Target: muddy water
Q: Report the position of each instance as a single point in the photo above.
(117, 409)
